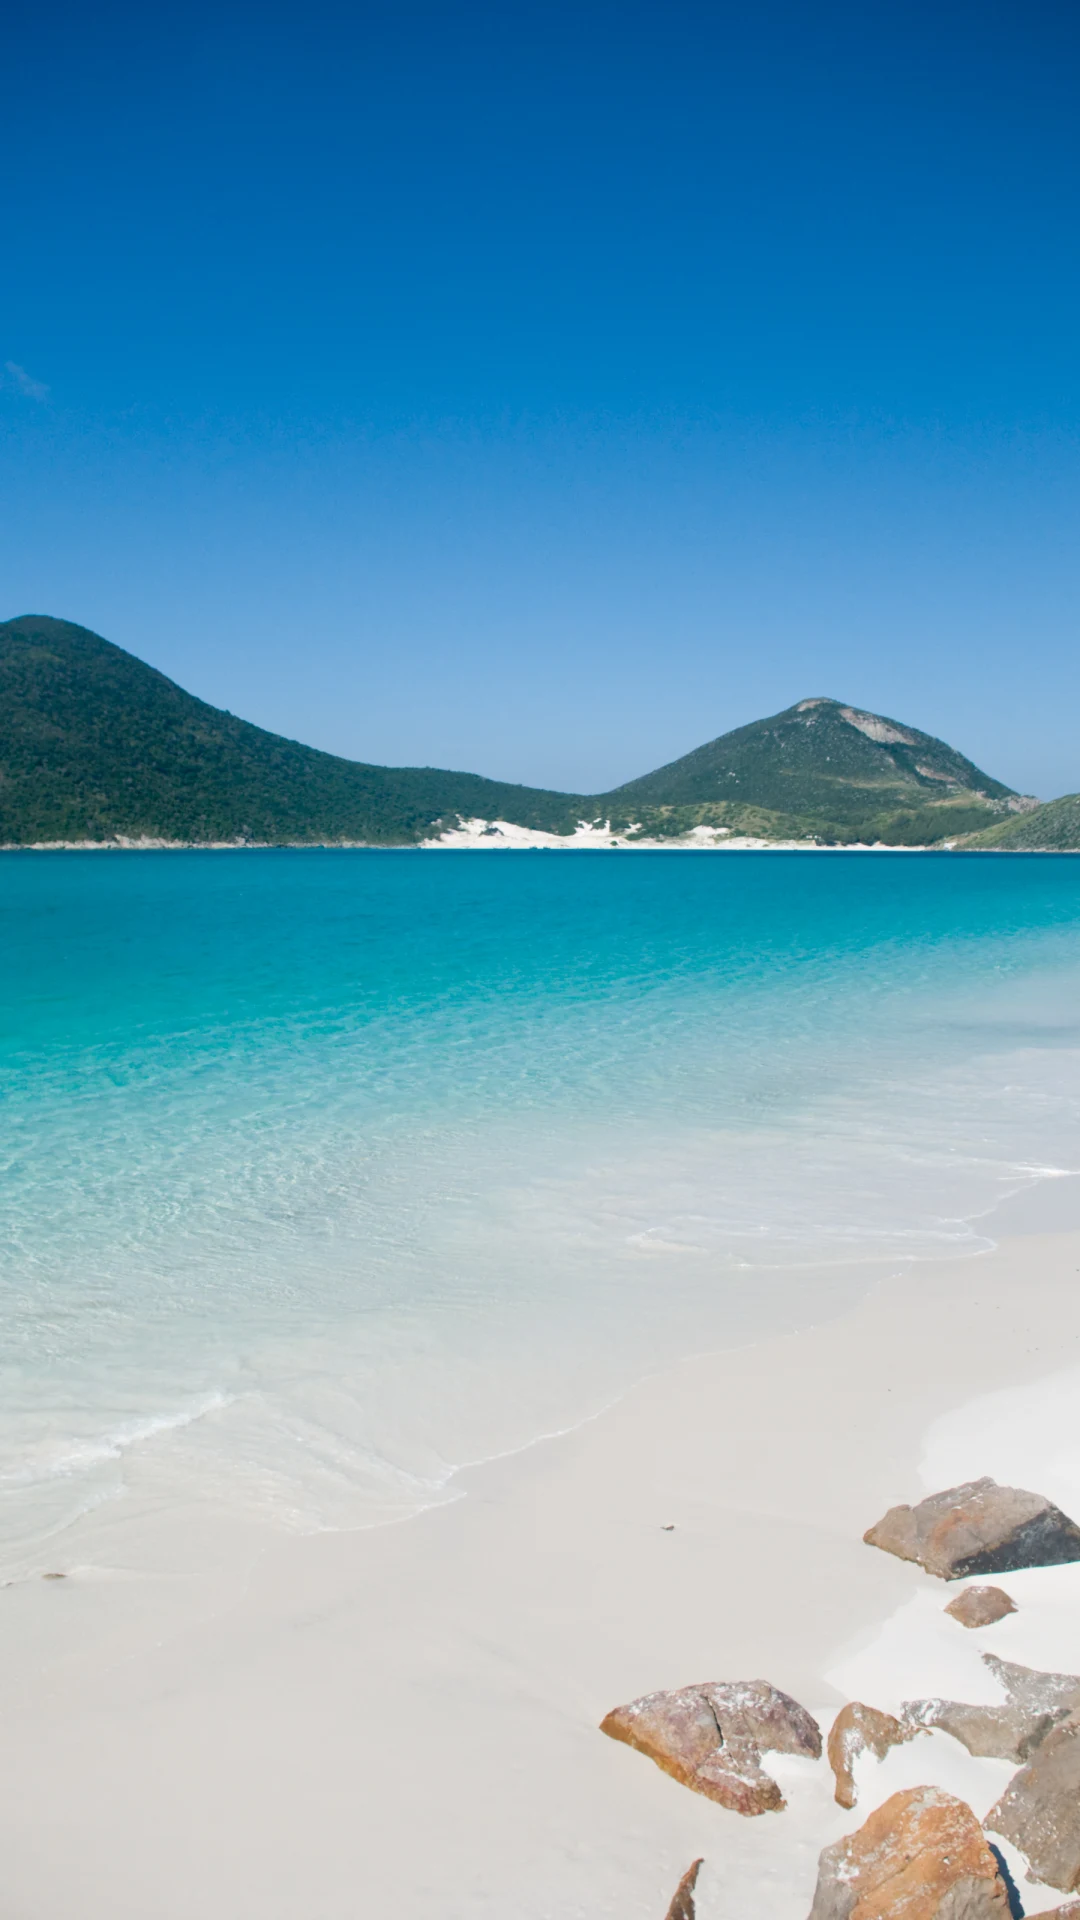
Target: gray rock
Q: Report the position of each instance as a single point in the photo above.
(1039, 1810)
(1031, 1687)
(1034, 1703)
(921, 1856)
(978, 1528)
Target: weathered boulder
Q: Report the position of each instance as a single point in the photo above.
(1034, 1702)
(980, 1606)
(711, 1737)
(922, 1856)
(861, 1729)
(684, 1906)
(1039, 1810)
(978, 1528)
(1070, 1910)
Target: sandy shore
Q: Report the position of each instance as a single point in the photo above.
(481, 835)
(404, 1720)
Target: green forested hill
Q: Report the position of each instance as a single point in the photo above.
(96, 745)
(843, 773)
(1053, 828)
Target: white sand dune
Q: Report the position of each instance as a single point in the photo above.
(503, 835)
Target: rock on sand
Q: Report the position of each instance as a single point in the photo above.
(978, 1528)
(1039, 1810)
(684, 1906)
(980, 1606)
(711, 1737)
(922, 1855)
(861, 1729)
(1034, 1702)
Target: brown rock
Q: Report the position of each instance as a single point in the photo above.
(861, 1729)
(711, 1737)
(921, 1855)
(980, 1606)
(1034, 1702)
(1070, 1911)
(684, 1906)
(978, 1528)
(1039, 1810)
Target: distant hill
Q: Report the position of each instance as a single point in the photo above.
(96, 745)
(1053, 828)
(835, 771)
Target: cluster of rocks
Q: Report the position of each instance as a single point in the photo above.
(923, 1855)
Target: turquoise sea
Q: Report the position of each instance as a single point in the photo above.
(325, 1173)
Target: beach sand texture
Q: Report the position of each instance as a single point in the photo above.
(404, 1720)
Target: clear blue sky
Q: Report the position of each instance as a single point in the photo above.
(544, 389)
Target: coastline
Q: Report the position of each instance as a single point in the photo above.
(405, 1719)
(535, 842)
(510, 840)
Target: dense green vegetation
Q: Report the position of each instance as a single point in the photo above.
(96, 745)
(830, 771)
(1053, 828)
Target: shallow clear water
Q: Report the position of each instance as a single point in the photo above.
(325, 1173)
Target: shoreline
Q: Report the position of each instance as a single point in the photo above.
(539, 844)
(547, 843)
(406, 1717)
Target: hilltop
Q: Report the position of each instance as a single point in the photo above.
(96, 745)
(825, 769)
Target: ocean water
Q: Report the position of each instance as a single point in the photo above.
(327, 1173)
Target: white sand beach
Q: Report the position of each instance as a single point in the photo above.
(488, 836)
(481, 835)
(405, 1719)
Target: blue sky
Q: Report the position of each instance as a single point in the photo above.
(544, 389)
